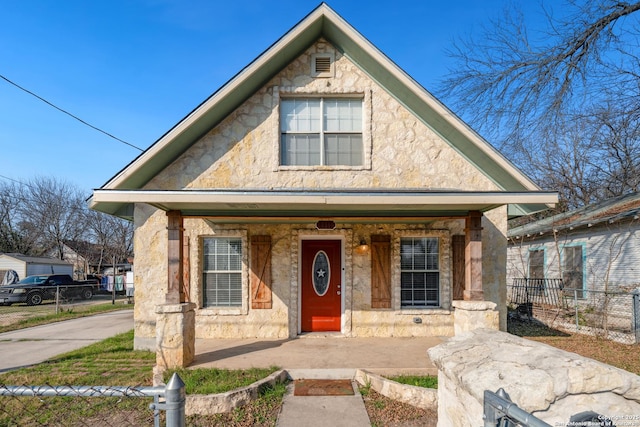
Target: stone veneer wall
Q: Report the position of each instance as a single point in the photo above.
(242, 152)
(550, 383)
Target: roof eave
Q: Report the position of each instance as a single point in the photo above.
(306, 203)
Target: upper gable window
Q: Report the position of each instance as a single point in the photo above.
(321, 132)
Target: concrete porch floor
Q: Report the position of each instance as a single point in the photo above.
(384, 356)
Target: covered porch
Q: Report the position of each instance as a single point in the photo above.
(175, 318)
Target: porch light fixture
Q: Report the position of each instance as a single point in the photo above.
(362, 248)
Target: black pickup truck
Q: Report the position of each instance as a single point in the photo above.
(35, 289)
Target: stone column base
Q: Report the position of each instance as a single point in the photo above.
(470, 315)
(175, 335)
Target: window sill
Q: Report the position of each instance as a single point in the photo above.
(320, 168)
(424, 311)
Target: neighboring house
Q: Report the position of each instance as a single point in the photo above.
(320, 189)
(594, 248)
(30, 265)
(87, 258)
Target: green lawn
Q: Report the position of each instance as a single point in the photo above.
(113, 362)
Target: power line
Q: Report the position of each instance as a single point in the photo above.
(68, 113)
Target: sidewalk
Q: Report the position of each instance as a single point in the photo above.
(29, 346)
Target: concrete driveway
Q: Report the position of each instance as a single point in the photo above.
(29, 346)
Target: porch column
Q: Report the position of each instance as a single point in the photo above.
(175, 291)
(175, 319)
(473, 257)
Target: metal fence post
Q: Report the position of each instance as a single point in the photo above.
(575, 303)
(636, 314)
(175, 401)
(57, 299)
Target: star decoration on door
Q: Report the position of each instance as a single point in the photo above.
(321, 273)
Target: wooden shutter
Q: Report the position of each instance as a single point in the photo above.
(260, 272)
(458, 244)
(380, 271)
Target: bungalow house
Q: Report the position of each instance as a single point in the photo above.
(320, 189)
(594, 248)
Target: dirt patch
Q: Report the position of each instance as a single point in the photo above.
(387, 412)
(623, 356)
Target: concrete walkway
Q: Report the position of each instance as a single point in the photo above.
(323, 411)
(321, 356)
(385, 356)
(29, 346)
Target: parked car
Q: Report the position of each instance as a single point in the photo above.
(35, 289)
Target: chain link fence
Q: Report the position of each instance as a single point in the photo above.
(93, 406)
(19, 312)
(610, 314)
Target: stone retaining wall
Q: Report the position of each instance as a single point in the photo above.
(550, 383)
(209, 404)
(420, 397)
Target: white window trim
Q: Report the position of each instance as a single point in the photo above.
(445, 266)
(212, 311)
(279, 93)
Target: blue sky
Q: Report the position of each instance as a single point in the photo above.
(134, 68)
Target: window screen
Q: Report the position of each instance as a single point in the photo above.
(572, 274)
(222, 271)
(419, 272)
(536, 264)
(321, 131)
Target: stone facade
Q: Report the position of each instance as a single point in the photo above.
(401, 152)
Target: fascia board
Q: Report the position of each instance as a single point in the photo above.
(301, 198)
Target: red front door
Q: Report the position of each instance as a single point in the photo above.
(321, 285)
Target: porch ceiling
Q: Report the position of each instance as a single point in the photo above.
(328, 203)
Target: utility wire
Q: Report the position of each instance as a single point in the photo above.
(68, 113)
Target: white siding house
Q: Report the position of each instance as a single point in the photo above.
(595, 248)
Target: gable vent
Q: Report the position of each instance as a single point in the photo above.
(322, 65)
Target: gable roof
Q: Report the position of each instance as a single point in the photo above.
(616, 209)
(322, 22)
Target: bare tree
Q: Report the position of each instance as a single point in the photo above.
(530, 92)
(112, 236)
(53, 212)
(13, 233)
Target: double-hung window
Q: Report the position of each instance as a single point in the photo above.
(573, 269)
(419, 272)
(321, 132)
(222, 272)
(536, 264)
